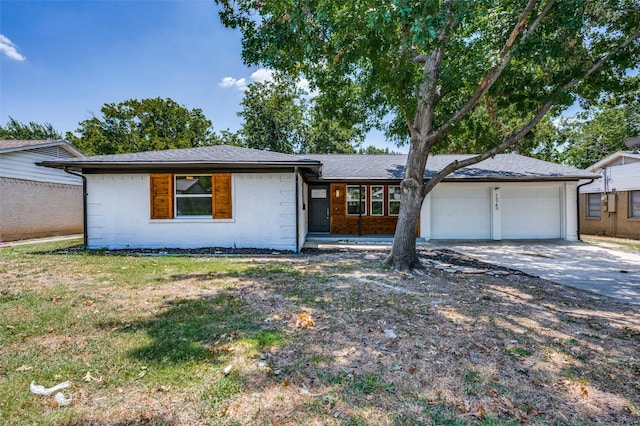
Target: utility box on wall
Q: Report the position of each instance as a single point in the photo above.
(611, 203)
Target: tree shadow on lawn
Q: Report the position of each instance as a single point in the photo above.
(468, 349)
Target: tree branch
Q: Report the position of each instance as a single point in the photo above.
(427, 91)
(456, 165)
(496, 71)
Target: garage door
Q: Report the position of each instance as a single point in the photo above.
(460, 213)
(531, 213)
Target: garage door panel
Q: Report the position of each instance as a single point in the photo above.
(531, 213)
(461, 213)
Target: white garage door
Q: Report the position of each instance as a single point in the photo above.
(460, 213)
(531, 213)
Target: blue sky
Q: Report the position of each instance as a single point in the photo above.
(60, 61)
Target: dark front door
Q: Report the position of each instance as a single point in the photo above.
(319, 208)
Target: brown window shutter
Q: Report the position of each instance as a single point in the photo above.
(161, 196)
(221, 197)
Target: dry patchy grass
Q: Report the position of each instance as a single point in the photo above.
(155, 335)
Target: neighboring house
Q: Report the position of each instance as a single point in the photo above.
(611, 205)
(250, 198)
(37, 201)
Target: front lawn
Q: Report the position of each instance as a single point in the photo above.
(319, 338)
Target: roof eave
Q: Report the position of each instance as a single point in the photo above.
(133, 165)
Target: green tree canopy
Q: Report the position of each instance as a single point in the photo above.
(272, 113)
(279, 116)
(431, 67)
(30, 131)
(602, 129)
(142, 125)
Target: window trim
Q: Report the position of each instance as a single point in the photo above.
(588, 211)
(176, 196)
(631, 215)
(378, 200)
(362, 190)
(389, 200)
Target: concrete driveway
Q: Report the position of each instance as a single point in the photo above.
(588, 267)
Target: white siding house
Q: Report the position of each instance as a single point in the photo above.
(37, 201)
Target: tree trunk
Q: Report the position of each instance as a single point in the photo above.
(403, 254)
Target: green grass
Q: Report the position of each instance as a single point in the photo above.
(82, 321)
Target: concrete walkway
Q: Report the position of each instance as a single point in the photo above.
(585, 266)
(40, 240)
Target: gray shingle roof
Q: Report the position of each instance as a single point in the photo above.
(10, 145)
(209, 155)
(391, 167)
(334, 166)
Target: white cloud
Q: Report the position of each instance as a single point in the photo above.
(262, 75)
(8, 48)
(238, 83)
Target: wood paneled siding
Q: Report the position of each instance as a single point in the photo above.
(341, 223)
(221, 198)
(161, 196)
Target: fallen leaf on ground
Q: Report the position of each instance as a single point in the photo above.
(88, 302)
(584, 392)
(304, 321)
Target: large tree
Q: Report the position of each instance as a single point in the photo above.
(142, 125)
(28, 131)
(272, 114)
(431, 65)
(280, 116)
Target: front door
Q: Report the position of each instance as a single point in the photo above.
(319, 208)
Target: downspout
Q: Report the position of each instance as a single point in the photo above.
(297, 203)
(360, 210)
(84, 203)
(578, 203)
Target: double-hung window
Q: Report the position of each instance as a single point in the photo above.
(634, 204)
(377, 201)
(594, 205)
(394, 200)
(193, 195)
(356, 200)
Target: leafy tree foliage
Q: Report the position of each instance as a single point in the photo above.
(272, 112)
(279, 116)
(440, 67)
(142, 125)
(603, 128)
(30, 131)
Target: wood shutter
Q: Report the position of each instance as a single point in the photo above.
(221, 196)
(161, 196)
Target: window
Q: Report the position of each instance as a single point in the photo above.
(593, 205)
(193, 196)
(394, 200)
(377, 201)
(356, 200)
(634, 204)
(190, 196)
